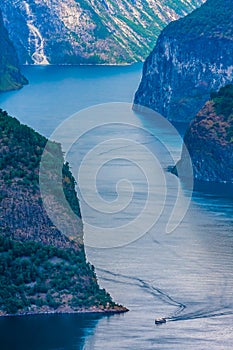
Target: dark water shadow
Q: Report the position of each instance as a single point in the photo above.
(46, 332)
(218, 190)
(180, 127)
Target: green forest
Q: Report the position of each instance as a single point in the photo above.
(33, 276)
(36, 276)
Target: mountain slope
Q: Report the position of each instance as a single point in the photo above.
(193, 56)
(10, 76)
(42, 270)
(209, 140)
(88, 31)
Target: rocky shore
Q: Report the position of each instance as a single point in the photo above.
(117, 309)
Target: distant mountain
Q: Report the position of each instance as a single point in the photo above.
(88, 31)
(193, 56)
(10, 76)
(209, 140)
(41, 269)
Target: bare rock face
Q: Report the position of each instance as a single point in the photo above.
(88, 31)
(209, 140)
(193, 56)
(10, 76)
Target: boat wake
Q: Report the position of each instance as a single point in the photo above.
(181, 312)
(147, 287)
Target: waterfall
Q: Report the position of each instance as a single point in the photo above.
(35, 39)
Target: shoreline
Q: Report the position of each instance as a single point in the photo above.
(92, 311)
(81, 64)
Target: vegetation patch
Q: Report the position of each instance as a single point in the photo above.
(33, 276)
(223, 105)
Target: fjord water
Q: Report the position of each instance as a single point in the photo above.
(185, 276)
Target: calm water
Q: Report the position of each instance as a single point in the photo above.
(185, 276)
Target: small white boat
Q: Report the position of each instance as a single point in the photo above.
(160, 320)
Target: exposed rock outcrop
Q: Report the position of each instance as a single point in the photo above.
(88, 31)
(193, 56)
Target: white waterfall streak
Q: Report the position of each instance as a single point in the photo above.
(35, 40)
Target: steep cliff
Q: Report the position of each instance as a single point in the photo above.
(193, 56)
(209, 140)
(10, 76)
(88, 31)
(41, 269)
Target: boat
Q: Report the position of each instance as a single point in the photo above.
(160, 320)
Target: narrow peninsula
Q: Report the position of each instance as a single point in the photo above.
(42, 270)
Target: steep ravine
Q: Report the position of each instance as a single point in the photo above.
(88, 31)
(42, 270)
(193, 56)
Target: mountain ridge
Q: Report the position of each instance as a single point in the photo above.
(192, 57)
(88, 31)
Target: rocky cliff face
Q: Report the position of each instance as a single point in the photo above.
(10, 76)
(209, 140)
(41, 269)
(88, 31)
(193, 56)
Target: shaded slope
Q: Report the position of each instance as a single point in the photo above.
(209, 139)
(10, 76)
(193, 56)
